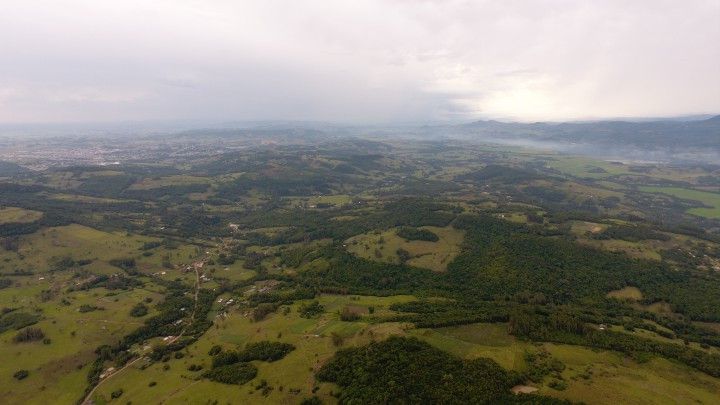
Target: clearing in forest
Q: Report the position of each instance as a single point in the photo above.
(384, 247)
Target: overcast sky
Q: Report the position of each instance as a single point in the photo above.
(357, 61)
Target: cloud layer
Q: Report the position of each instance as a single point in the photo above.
(357, 61)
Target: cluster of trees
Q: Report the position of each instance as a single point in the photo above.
(235, 373)
(13, 319)
(311, 310)
(630, 233)
(29, 334)
(234, 367)
(565, 327)
(407, 370)
(126, 263)
(5, 283)
(409, 233)
(436, 314)
(139, 310)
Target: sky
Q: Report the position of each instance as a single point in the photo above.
(364, 61)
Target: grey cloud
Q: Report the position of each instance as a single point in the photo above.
(369, 61)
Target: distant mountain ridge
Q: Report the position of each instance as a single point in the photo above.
(650, 134)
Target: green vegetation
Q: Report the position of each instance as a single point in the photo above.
(408, 233)
(402, 369)
(18, 215)
(709, 199)
(236, 373)
(360, 271)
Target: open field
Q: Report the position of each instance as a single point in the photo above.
(168, 181)
(58, 369)
(37, 251)
(312, 338)
(592, 375)
(335, 200)
(383, 246)
(586, 167)
(640, 250)
(84, 198)
(626, 293)
(16, 214)
(710, 199)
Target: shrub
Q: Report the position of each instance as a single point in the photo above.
(17, 320)
(314, 400)
(139, 310)
(403, 255)
(29, 335)
(87, 308)
(116, 394)
(263, 310)
(348, 315)
(311, 310)
(337, 339)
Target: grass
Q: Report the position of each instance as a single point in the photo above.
(58, 370)
(638, 250)
(430, 255)
(314, 346)
(587, 168)
(84, 198)
(618, 380)
(336, 200)
(710, 199)
(613, 378)
(581, 228)
(16, 214)
(37, 250)
(167, 181)
(626, 293)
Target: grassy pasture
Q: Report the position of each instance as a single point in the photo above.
(586, 167)
(179, 180)
(336, 200)
(58, 370)
(16, 214)
(619, 380)
(581, 228)
(84, 198)
(431, 255)
(626, 293)
(314, 346)
(657, 382)
(37, 250)
(639, 250)
(709, 199)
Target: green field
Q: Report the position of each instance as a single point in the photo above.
(169, 181)
(58, 370)
(709, 199)
(383, 247)
(586, 167)
(18, 215)
(312, 338)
